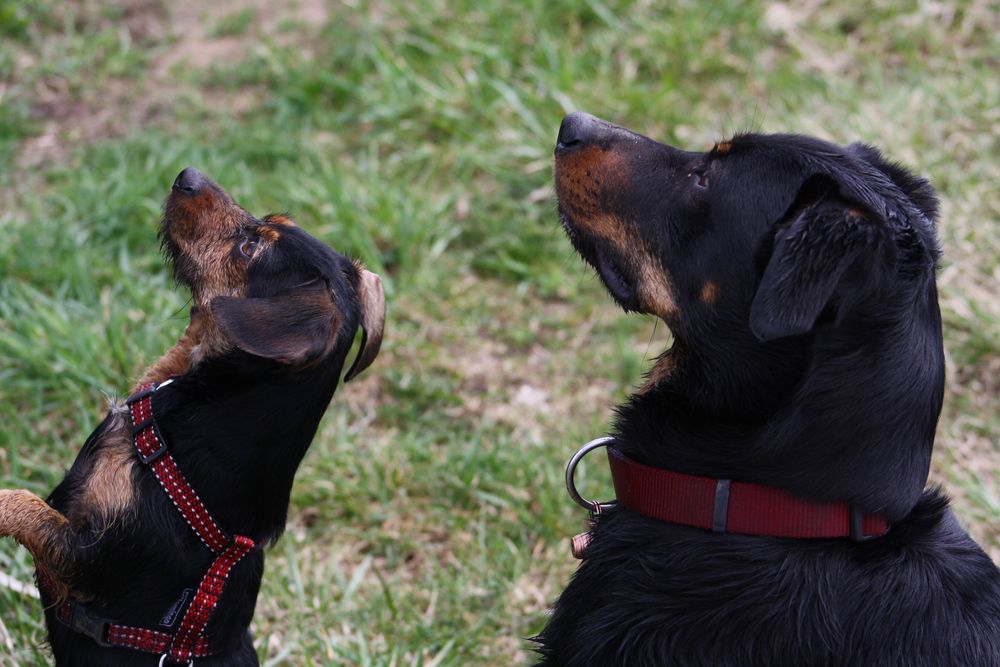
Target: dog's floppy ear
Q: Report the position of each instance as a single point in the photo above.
(293, 327)
(372, 298)
(825, 237)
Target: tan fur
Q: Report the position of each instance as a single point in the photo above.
(40, 529)
(372, 297)
(722, 148)
(279, 219)
(581, 177)
(177, 360)
(656, 293)
(205, 228)
(109, 491)
(654, 289)
(218, 274)
(710, 292)
(664, 366)
(270, 234)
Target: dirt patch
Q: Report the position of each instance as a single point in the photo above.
(175, 39)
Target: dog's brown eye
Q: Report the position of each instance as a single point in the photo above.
(247, 247)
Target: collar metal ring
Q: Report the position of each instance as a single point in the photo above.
(589, 505)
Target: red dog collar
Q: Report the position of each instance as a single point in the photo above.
(725, 506)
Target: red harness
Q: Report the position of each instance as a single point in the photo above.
(189, 640)
(721, 505)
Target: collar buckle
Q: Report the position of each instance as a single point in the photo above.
(858, 525)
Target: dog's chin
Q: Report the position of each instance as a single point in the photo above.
(614, 278)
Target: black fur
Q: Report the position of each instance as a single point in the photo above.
(817, 369)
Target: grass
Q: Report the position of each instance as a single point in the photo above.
(428, 522)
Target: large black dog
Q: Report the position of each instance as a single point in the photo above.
(153, 542)
(795, 413)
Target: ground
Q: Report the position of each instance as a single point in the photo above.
(428, 523)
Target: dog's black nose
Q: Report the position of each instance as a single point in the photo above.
(190, 180)
(580, 129)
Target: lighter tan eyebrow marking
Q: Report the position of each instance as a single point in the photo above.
(710, 292)
(279, 219)
(269, 233)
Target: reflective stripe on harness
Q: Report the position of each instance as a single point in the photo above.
(189, 641)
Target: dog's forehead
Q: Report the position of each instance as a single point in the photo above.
(293, 256)
(779, 143)
(779, 151)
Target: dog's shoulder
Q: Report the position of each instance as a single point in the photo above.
(108, 445)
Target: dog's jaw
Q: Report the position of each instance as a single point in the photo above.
(615, 279)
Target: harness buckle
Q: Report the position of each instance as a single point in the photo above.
(147, 459)
(142, 426)
(88, 625)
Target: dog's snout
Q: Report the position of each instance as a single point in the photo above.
(579, 129)
(190, 180)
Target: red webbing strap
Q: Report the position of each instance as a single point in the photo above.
(189, 634)
(153, 641)
(189, 641)
(733, 507)
(154, 453)
(108, 633)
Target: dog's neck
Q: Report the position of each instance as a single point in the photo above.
(240, 445)
(818, 415)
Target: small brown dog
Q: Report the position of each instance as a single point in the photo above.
(153, 542)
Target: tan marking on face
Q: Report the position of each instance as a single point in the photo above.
(584, 177)
(655, 292)
(108, 491)
(41, 530)
(722, 148)
(664, 367)
(219, 272)
(279, 219)
(206, 229)
(268, 234)
(709, 292)
(648, 277)
(611, 229)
